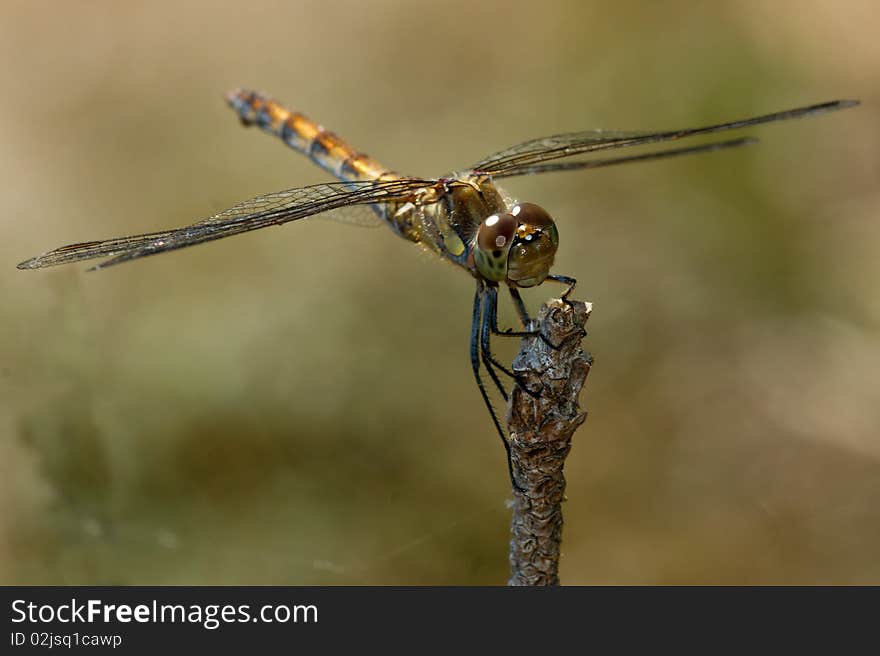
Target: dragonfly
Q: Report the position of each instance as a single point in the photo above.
(463, 217)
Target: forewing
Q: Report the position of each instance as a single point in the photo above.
(271, 209)
(611, 161)
(522, 158)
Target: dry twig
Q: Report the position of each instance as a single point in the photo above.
(542, 415)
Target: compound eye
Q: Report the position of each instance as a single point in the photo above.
(534, 246)
(532, 215)
(496, 233)
(494, 238)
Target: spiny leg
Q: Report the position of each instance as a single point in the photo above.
(565, 280)
(490, 325)
(478, 355)
(520, 307)
(571, 282)
(476, 329)
(521, 310)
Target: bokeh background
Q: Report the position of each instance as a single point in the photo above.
(295, 406)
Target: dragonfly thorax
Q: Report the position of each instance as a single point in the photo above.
(516, 247)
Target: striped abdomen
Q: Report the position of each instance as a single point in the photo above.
(301, 133)
(442, 216)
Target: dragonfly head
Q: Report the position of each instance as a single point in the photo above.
(517, 246)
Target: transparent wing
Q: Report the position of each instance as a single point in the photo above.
(522, 158)
(610, 161)
(361, 216)
(271, 209)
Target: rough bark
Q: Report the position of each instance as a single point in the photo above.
(542, 415)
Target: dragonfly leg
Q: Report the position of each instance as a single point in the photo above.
(490, 325)
(571, 282)
(477, 324)
(565, 280)
(520, 309)
(520, 306)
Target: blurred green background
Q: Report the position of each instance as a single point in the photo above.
(295, 406)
